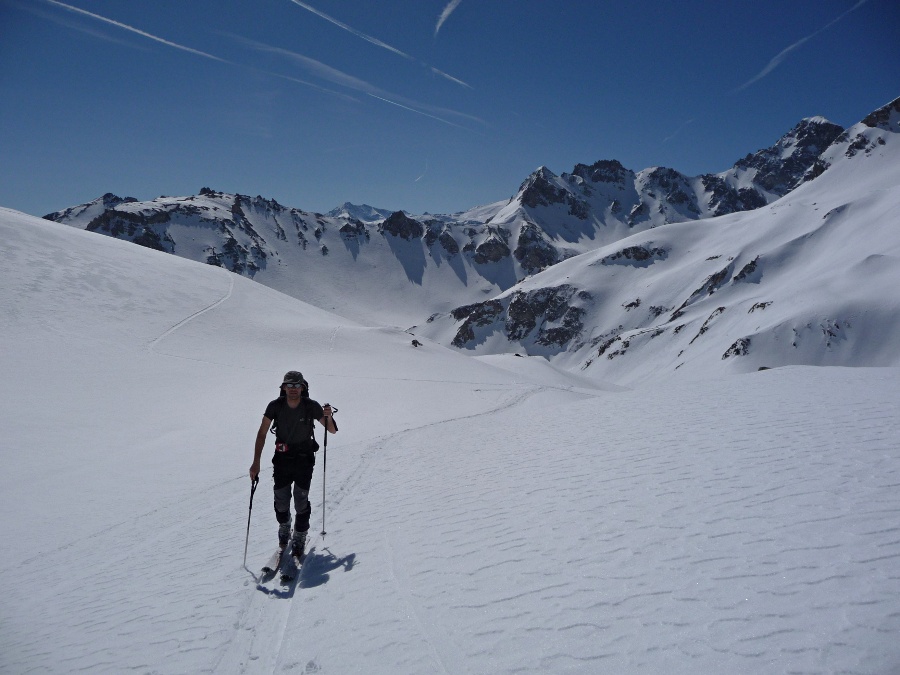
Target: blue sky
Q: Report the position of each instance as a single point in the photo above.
(421, 105)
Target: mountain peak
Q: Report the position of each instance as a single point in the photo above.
(362, 212)
(540, 189)
(604, 171)
(779, 169)
(887, 117)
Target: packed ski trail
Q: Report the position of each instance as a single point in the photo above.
(260, 636)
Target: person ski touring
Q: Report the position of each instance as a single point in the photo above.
(292, 416)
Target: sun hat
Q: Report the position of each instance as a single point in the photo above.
(294, 377)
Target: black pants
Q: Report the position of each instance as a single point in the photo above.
(293, 472)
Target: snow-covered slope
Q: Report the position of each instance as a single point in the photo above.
(484, 515)
(97, 332)
(804, 280)
(293, 251)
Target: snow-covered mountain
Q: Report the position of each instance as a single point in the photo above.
(425, 266)
(741, 291)
(432, 263)
(554, 217)
(363, 212)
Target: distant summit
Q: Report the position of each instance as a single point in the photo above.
(361, 212)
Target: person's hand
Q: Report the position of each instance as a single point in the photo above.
(327, 410)
(254, 471)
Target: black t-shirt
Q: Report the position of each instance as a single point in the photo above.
(294, 425)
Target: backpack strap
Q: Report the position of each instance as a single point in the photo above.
(305, 403)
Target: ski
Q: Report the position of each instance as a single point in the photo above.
(292, 566)
(274, 564)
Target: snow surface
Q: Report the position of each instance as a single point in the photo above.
(484, 515)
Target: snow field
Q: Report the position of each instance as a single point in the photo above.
(483, 515)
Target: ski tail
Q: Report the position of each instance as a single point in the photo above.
(273, 565)
(292, 568)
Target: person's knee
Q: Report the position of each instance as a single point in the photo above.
(283, 502)
(301, 500)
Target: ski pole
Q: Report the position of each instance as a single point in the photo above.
(325, 464)
(247, 540)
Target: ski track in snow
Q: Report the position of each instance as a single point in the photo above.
(198, 313)
(259, 639)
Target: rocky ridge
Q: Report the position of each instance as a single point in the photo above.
(550, 218)
(667, 295)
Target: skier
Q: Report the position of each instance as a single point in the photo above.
(293, 414)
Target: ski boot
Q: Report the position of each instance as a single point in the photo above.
(298, 545)
(284, 534)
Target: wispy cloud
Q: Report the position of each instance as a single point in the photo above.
(190, 50)
(306, 83)
(316, 68)
(380, 43)
(784, 53)
(62, 20)
(448, 10)
(125, 26)
(328, 73)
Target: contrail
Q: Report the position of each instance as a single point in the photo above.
(449, 77)
(423, 173)
(782, 55)
(377, 42)
(317, 68)
(190, 50)
(399, 105)
(448, 10)
(350, 29)
(136, 30)
(677, 131)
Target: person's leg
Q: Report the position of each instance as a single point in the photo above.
(283, 506)
(302, 507)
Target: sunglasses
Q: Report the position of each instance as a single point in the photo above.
(292, 385)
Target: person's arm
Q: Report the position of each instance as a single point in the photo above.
(260, 442)
(327, 419)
